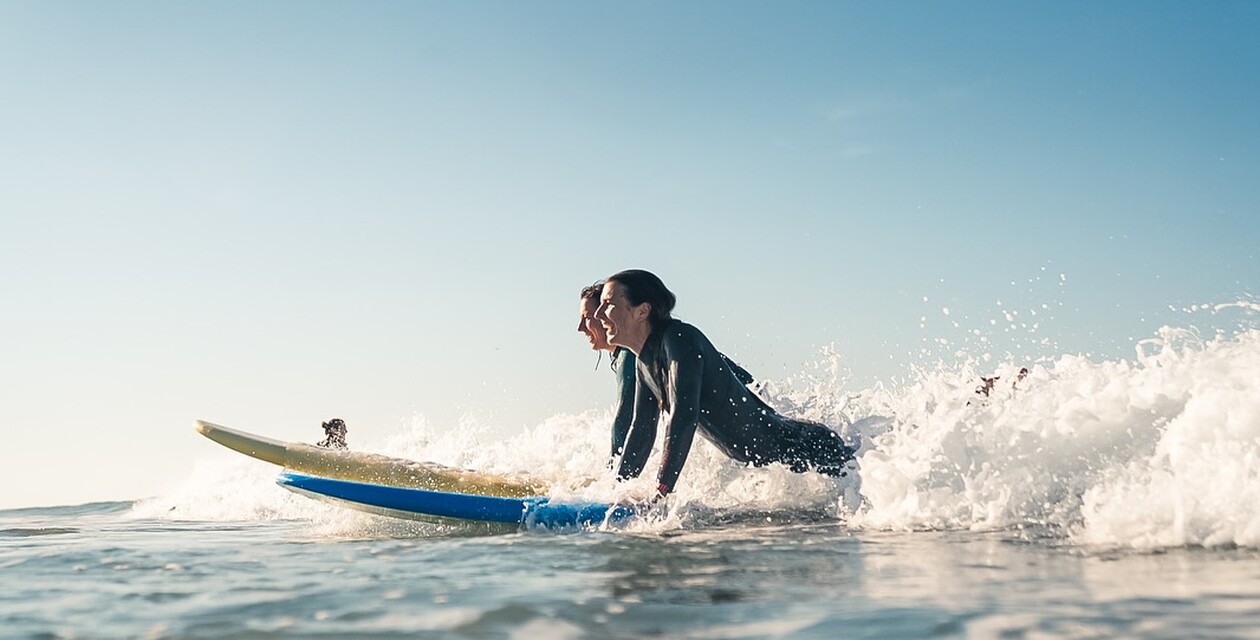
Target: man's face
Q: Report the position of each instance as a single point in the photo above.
(588, 325)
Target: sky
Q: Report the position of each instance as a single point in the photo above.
(268, 214)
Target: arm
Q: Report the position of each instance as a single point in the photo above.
(638, 442)
(623, 414)
(686, 371)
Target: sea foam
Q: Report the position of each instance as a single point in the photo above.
(1158, 450)
(1155, 450)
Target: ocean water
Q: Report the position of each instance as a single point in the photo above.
(1091, 498)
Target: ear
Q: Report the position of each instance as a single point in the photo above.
(642, 311)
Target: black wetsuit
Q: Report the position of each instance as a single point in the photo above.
(624, 367)
(623, 364)
(699, 389)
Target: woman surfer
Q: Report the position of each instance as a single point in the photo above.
(678, 365)
(623, 365)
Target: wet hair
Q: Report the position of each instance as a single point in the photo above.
(591, 291)
(643, 286)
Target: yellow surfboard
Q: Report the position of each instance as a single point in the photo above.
(342, 464)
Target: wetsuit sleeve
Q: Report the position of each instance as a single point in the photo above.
(685, 374)
(638, 442)
(623, 414)
(741, 373)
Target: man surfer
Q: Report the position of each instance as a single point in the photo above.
(698, 388)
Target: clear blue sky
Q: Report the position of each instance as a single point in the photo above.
(266, 214)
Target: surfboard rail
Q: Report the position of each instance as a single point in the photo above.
(444, 506)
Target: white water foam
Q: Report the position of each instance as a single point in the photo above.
(1161, 449)
(569, 450)
(235, 489)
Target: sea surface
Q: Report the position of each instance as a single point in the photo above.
(1088, 498)
(98, 572)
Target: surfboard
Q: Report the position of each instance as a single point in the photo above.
(446, 507)
(371, 468)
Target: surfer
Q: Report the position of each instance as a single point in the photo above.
(623, 365)
(987, 384)
(335, 432)
(697, 387)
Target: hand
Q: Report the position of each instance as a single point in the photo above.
(661, 492)
(641, 500)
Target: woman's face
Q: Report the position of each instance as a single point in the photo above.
(590, 326)
(625, 324)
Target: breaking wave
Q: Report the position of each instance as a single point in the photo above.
(1154, 450)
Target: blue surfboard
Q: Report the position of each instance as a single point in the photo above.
(425, 504)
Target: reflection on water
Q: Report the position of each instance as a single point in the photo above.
(761, 574)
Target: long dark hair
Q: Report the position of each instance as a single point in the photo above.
(643, 286)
